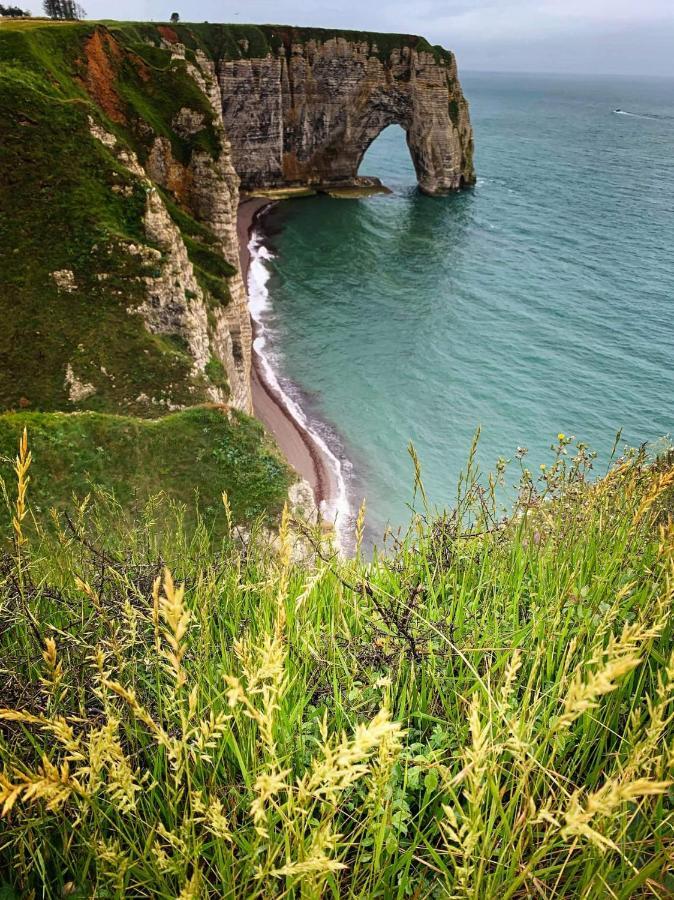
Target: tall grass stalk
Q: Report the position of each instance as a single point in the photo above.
(483, 709)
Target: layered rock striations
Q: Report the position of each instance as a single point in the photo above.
(306, 112)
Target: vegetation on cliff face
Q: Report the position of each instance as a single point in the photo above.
(67, 204)
(487, 711)
(221, 41)
(71, 217)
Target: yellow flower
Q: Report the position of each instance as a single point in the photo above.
(561, 436)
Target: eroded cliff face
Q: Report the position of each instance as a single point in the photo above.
(209, 186)
(204, 183)
(302, 112)
(306, 112)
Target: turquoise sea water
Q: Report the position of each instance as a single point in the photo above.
(541, 301)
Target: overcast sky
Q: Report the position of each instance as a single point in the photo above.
(584, 36)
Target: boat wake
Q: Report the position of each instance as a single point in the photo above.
(634, 115)
(335, 509)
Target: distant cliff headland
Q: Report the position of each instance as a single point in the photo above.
(124, 150)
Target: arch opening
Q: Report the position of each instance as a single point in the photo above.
(388, 158)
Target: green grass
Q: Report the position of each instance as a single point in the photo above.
(241, 739)
(199, 452)
(67, 203)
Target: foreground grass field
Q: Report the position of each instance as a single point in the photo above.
(485, 711)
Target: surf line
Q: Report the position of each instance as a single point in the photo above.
(334, 506)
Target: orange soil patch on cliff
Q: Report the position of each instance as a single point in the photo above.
(293, 169)
(167, 171)
(103, 56)
(168, 34)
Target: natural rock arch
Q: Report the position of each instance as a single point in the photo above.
(343, 153)
(307, 116)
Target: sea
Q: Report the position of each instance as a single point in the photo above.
(539, 302)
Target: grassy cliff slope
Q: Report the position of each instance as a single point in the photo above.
(197, 453)
(68, 204)
(71, 281)
(488, 711)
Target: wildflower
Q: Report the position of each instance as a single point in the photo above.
(561, 437)
(622, 655)
(192, 888)
(228, 510)
(51, 784)
(346, 761)
(106, 753)
(317, 862)
(176, 617)
(207, 735)
(360, 526)
(113, 862)
(513, 667)
(212, 815)
(21, 467)
(603, 803)
(54, 667)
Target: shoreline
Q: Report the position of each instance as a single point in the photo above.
(270, 406)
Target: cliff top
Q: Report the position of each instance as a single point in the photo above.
(239, 41)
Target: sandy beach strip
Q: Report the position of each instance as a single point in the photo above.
(294, 441)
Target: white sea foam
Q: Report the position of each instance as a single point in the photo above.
(337, 509)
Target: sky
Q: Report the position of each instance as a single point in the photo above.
(629, 37)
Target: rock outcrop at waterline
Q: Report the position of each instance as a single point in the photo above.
(306, 112)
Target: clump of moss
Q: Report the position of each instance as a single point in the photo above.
(216, 372)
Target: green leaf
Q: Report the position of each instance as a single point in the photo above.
(392, 842)
(431, 780)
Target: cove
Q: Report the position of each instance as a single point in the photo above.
(537, 303)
